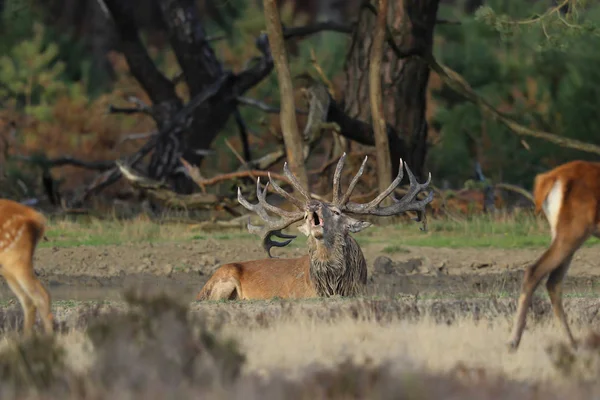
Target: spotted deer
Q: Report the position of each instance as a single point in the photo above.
(569, 196)
(334, 265)
(21, 227)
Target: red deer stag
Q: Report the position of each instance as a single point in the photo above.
(569, 196)
(21, 228)
(334, 265)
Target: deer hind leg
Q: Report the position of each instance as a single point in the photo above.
(225, 290)
(26, 303)
(221, 289)
(40, 297)
(552, 261)
(554, 287)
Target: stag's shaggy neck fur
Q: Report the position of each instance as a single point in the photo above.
(337, 266)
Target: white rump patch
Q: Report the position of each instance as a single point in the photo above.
(552, 205)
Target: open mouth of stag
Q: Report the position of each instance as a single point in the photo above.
(316, 225)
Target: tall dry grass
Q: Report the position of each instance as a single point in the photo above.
(154, 347)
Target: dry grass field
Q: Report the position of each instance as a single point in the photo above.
(433, 323)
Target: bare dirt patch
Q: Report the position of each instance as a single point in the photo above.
(101, 272)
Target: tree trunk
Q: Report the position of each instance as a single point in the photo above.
(289, 125)
(418, 20)
(404, 79)
(384, 173)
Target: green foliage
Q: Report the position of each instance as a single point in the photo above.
(558, 27)
(31, 73)
(543, 78)
(19, 23)
(16, 22)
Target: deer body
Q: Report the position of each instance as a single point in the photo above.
(334, 265)
(569, 196)
(21, 228)
(312, 275)
(258, 279)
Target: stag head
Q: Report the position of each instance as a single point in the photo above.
(325, 221)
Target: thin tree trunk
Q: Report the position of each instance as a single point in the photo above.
(289, 125)
(384, 172)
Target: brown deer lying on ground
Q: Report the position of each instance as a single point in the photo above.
(569, 196)
(21, 228)
(334, 265)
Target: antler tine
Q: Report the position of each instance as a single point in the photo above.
(406, 203)
(285, 194)
(375, 202)
(414, 189)
(353, 183)
(262, 200)
(295, 182)
(337, 190)
(273, 225)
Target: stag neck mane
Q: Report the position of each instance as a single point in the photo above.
(338, 267)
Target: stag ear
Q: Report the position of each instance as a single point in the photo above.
(355, 225)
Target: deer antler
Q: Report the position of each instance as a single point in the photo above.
(295, 183)
(406, 203)
(273, 225)
(336, 181)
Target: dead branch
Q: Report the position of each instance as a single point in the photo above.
(140, 107)
(243, 130)
(194, 173)
(125, 110)
(267, 160)
(247, 101)
(258, 104)
(236, 175)
(240, 159)
(300, 31)
(162, 194)
(332, 26)
(317, 66)
(516, 189)
(136, 136)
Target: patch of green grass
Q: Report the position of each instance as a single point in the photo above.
(395, 249)
(95, 232)
(504, 241)
(498, 231)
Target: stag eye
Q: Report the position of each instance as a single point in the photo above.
(336, 212)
